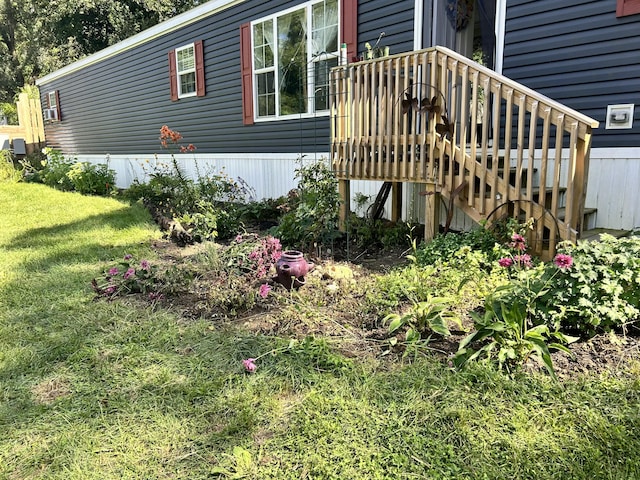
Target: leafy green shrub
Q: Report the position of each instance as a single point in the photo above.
(55, 170)
(443, 247)
(8, 171)
(314, 220)
(89, 179)
(601, 291)
(208, 207)
(366, 232)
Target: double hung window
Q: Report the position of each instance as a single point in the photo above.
(292, 54)
(186, 70)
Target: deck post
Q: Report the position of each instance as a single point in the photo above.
(432, 212)
(344, 190)
(396, 202)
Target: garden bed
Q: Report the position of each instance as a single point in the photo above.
(339, 317)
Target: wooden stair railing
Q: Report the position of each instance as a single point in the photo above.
(436, 117)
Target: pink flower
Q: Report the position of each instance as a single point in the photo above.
(238, 238)
(144, 265)
(264, 290)
(518, 242)
(505, 262)
(113, 271)
(110, 290)
(524, 260)
(129, 273)
(128, 256)
(563, 261)
(249, 366)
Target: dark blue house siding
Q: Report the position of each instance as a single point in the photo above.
(578, 53)
(118, 105)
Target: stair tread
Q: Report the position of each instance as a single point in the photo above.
(594, 234)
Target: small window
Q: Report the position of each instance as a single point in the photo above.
(53, 100)
(627, 7)
(186, 70)
(52, 110)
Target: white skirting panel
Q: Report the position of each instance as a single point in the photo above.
(614, 180)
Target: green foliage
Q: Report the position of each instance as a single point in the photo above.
(443, 247)
(90, 179)
(38, 39)
(70, 175)
(55, 170)
(8, 172)
(423, 319)
(10, 112)
(509, 338)
(208, 207)
(129, 277)
(314, 220)
(379, 233)
(601, 291)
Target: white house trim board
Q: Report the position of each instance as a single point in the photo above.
(174, 23)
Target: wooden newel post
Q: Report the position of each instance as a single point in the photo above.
(344, 189)
(432, 212)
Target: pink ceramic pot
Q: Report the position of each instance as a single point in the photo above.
(291, 269)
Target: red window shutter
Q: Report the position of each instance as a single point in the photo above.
(199, 51)
(247, 74)
(627, 7)
(349, 27)
(173, 76)
(58, 112)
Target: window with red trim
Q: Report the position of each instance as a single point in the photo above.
(627, 7)
(186, 71)
(286, 58)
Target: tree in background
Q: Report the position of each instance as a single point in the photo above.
(40, 36)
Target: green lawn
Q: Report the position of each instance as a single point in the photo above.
(118, 390)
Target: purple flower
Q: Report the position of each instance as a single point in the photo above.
(129, 273)
(264, 290)
(524, 260)
(249, 366)
(128, 256)
(110, 290)
(144, 265)
(113, 271)
(505, 262)
(563, 261)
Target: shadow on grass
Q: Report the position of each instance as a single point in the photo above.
(77, 241)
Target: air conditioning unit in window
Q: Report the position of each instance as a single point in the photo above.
(50, 114)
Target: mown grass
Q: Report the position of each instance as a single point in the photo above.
(119, 390)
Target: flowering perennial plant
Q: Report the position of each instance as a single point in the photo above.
(257, 256)
(514, 319)
(129, 277)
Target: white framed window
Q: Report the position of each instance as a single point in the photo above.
(53, 100)
(293, 52)
(186, 70)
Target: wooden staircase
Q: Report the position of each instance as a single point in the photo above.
(492, 146)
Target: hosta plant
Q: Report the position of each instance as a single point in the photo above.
(423, 319)
(505, 334)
